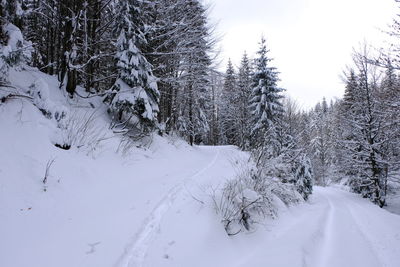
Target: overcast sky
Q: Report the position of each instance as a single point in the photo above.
(310, 40)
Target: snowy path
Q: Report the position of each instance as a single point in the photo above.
(337, 229)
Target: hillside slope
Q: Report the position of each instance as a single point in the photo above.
(94, 201)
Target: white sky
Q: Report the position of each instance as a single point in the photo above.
(310, 40)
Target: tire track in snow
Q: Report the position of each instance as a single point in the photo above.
(339, 225)
(361, 231)
(326, 237)
(315, 249)
(136, 252)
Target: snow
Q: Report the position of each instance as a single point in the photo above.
(393, 197)
(336, 228)
(152, 207)
(87, 201)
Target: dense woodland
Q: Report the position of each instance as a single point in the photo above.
(153, 62)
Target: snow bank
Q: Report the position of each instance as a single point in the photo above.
(92, 206)
(39, 90)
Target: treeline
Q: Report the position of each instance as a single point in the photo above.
(255, 115)
(153, 63)
(354, 140)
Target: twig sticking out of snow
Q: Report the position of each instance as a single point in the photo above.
(47, 172)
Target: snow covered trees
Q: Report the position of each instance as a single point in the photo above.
(134, 96)
(235, 111)
(366, 140)
(321, 143)
(150, 60)
(180, 50)
(72, 40)
(81, 42)
(356, 138)
(251, 104)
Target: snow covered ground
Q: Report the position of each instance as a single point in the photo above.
(393, 198)
(151, 207)
(93, 209)
(335, 228)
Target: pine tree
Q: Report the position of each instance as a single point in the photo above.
(244, 95)
(229, 106)
(179, 47)
(217, 80)
(265, 103)
(194, 108)
(134, 96)
(303, 176)
(350, 90)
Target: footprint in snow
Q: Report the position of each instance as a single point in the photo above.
(92, 247)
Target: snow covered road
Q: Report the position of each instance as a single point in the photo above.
(335, 229)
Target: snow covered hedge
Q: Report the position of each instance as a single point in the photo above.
(246, 200)
(256, 193)
(243, 201)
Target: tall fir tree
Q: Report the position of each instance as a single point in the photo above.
(265, 103)
(244, 95)
(195, 109)
(134, 97)
(229, 105)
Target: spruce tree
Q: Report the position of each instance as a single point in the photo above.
(244, 95)
(303, 176)
(229, 106)
(193, 101)
(265, 103)
(133, 99)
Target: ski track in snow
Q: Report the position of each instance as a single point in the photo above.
(135, 253)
